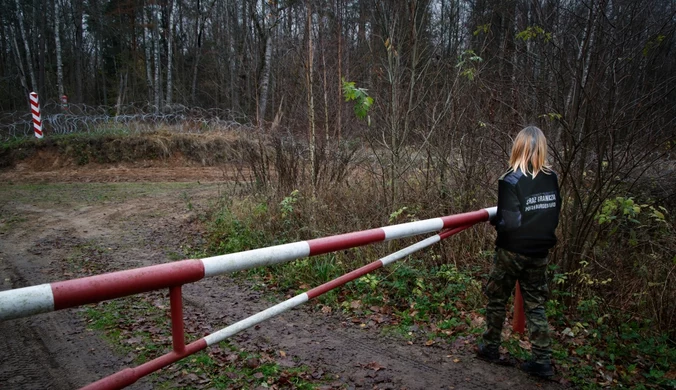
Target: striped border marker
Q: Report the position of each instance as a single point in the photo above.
(37, 119)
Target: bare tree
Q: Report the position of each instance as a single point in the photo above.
(309, 65)
(173, 9)
(27, 48)
(155, 12)
(57, 42)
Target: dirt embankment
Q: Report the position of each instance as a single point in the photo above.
(42, 226)
(152, 157)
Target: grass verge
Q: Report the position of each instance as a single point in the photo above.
(427, 300)
(139, 328)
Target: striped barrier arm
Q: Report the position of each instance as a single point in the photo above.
(23, 302)
(129, 376)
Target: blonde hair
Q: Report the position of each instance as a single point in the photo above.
(529, 152)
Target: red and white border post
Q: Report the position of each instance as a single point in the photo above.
(37, 119)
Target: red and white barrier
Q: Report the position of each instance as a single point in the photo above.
(299, 299)
(281, 253)
(129, 376)
(44, 298)
(35, 110)
(60, 295)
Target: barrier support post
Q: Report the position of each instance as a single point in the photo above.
(177, 331)
(519, 324)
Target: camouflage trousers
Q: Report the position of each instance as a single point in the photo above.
(531, 272)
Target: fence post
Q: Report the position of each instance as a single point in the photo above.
(519, 324)
(177, 331)
(37, 119)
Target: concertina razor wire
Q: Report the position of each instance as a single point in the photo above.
(130, 118)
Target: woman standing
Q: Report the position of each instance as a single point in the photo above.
(528, 213)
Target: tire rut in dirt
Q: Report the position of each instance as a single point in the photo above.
(50, 350)
(411, 367)
(26, 362)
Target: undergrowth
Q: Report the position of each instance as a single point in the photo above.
(139, 327)
(434, 296)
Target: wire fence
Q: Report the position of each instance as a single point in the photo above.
(81, 118)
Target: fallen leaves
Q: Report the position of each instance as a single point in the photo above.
(477, 321)
(525, 344)
(568, 332)
(375, 366)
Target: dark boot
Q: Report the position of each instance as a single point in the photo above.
(488, 353)
(540, 370)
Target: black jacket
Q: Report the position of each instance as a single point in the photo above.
(528, 212)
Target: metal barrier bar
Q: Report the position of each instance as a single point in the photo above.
(44, 298)
(128, 376)
(177, 331)
(519, 320)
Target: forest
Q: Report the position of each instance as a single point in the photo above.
(411, 104)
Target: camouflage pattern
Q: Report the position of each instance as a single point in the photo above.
(531, 272)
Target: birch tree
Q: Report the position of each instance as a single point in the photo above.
(27, 48)
(155, 9)
(147, 42)
(172, 4)
(267, 33)
(57, 42)
(309, 65)
(78, 14)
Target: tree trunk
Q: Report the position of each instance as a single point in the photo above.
(310, 102)
(19, 63)
(198, 51)
(265, 79)
(148, 54)
(79, 50)
(515, 67)
(42, 5)
(121, 92)
(170, 51)
(325, 86)
(156, 56)
(232, 60)
(339, 115)
(27, 48)
(57, 42)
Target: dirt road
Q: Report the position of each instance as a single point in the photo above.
(43, 225)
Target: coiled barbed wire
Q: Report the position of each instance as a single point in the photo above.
(130, 118)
